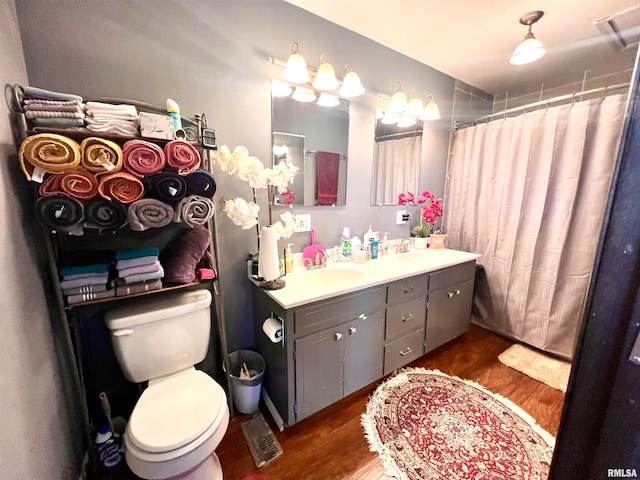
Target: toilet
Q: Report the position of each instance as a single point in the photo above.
(182, 415)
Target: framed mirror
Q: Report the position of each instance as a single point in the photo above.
(397, 156)
(315, 139)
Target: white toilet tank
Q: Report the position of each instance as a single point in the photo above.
(160, 334)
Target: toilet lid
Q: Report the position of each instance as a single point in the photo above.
(174, 412)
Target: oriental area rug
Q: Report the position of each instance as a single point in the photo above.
(426, 425)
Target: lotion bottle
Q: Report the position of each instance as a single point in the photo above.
(385, 245)
(288, 268)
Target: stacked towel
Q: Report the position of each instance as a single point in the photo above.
(194, 210)
(139, 269)
(104, 215)
(149, 213)
(108, 118)
(61, 214)
(52, 109)
(168, 187)
(85, 276)
(48, 153)
(77, 183)
(201, 182)
(100, 156)
(121, 186)
(143, 159)
(182, 156)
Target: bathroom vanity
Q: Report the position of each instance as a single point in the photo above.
(347, 325)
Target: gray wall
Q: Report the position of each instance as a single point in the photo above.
(39, 436)
(211, 57)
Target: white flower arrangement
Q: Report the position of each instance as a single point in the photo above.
(250, 169)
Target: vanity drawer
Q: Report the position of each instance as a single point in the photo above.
(403, 351)
(405, 317)
(452, 275)
(329, 313)
(400, 290)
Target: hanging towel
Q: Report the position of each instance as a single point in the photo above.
(327, 171)
(168, 187)
(143, 158)
(194, 210)
(29, 93)
(60, 213)
(48, 152)
(201, 182)
(183, 255)
(77, 183)
(121, 186)
(137, 253)
(104, 215)
(138, 287)
(182, 156)
(100, 156)
(149, 213)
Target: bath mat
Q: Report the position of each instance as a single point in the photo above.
(544, 368)
(427, 425)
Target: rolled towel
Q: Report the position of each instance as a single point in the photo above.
(201, 182)
(77, 183)
(100, 156)
(152, 267)
(143, 158)
(149, 213)
(139, 287)
(182, 156)
(135, 261)
(137, 253)
(48, 152)
(183, 255)
(168, 187)
(194, 210)
(60, 213)
(104, 215)
(121, 186)
(29, 93)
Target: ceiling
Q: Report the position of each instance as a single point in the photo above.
(472, 40)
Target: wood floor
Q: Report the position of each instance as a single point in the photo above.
(330, 445)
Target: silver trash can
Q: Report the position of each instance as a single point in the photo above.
(246, 392)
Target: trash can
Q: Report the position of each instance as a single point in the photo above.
(246, 392)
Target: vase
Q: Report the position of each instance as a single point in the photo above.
(437, 240)
(420, 242)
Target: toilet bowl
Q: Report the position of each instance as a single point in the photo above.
(182, 415)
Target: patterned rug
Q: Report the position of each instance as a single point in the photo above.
(426, 425)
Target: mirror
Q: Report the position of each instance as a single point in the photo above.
(315, 139)
(397, 157)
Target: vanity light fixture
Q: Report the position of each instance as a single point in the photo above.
(530, 49)
(406, 116)
(406, 121)
(398, 99)
(326, 77)
(390, 118)
(351, 86)
(304, 95)
(415, 107)
(296, 69)
(280, 89)
(328, 100)
(431, 110)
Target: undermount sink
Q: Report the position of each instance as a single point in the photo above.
(413, 256)
(334, 275)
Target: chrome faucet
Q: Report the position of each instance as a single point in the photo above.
(319, 260)
(403, 246)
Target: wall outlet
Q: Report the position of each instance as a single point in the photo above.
(401, 217)
(303, 223)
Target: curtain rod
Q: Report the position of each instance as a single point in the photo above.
(547, 102)
(342, 155)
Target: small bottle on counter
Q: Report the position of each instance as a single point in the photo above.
(374, 249)
(288, 264)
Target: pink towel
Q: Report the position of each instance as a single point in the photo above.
(143, 158)
(327, 170)
(182, 156)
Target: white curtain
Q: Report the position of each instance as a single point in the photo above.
(397, 167)
(529, 193)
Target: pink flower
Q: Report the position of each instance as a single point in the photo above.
(405, 198)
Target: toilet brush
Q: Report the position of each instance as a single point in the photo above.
(106, 408)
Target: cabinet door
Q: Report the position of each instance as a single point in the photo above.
(364, 351)
(319, 371)
(449, 314)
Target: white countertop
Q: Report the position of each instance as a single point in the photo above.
(306, 286)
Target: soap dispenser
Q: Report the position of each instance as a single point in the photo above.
(385, 245)
(288, 266)
(368, 237)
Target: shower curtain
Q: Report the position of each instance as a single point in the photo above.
(529, 194)
(397, 167)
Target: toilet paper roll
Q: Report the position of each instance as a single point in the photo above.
(273, 329)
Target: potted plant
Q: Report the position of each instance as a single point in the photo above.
(430, 212)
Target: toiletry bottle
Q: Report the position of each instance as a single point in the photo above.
(173, 110)
(374, 249)
(110, 452)
(356, 244)
(368, 236)
(345, 246)
(288, 268)
(385, 245)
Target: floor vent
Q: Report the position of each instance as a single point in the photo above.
(263, 445)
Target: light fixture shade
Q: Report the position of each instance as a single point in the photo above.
(415, 108)
(398, 102)
(296, 69)
(326, 78)
(431, 111)
(528, 51)
(351, 86)
(406, 121)
(328, 100)
(390, 118)
(280, 89)
(304, 95)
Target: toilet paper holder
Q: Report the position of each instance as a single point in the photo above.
(279, 318)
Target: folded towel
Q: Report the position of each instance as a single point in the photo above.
(77, 183)
(52, 114)
(168, 187)
(112, 107)
(103, 215)
(53, 106)
(137, 253)
(85, 297)
(57, 122)
(133, 262)
(138, 287)
(141, 277)
(85, 289)
(182, 156)
(143, 158)
(121, 186)
(201, 182)
(92, 268)
(75, 276)
(152, 267)
(38, 102)
(117, 127)
(48, 152)
(81, 282)
(194, 210)
(40, 93)
(60, 213)
(149, 213)
(100, 156)
(182, 256)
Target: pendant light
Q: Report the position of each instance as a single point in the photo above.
(351, 86)
(530, 49)
(296, 69)
(415, 107)
(398, 99)
(326, 76)
(431, 110)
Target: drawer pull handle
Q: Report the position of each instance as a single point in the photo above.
(352, 330)
(457, 291)
(449, 294)
(337, 336)
(406, 352)
(408, 317)
(362, 317)
(407, 289)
